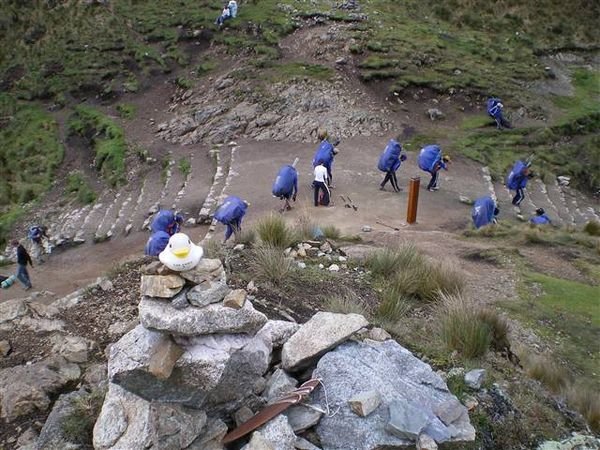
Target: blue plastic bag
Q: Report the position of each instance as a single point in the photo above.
(429, 157)
(232, 209)
(157, 243)
(517, 177)
(483, 211)
(286, 183)
(390, 158)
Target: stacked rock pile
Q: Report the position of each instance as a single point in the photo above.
(203, 361)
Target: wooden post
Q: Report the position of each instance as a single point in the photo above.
(413, 200)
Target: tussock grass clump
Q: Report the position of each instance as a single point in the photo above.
(592, 228)
(345, 302)
(270, 264)
(548, 372)
(394, 306)
(79, 425)
(246, 237)
(274, 232)
(410, 274)
(461, 327)
(587, 402)
(498, 328)
(213, 249)
(305, 226)
(331, 232)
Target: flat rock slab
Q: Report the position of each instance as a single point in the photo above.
(321, 333)
(398, 376)
(207, 292)
(206, 270)
(163, 286)
(192, 321)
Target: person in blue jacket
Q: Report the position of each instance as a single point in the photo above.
(431, 160)
(517, 181)
(325, 153)
(389, 162)
(230, 214)
(157, 242)
(540, 218)
(286, 185)
(167, 221)
(484, 211)
(494, 109)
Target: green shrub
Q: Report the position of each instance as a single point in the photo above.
(77, 184)
(498, 328)
(185, 167)
(386, 262)
(213, 249)
(270, 264)
(592, 228)
(441, 277)
(461, 328)
(108, 140)
(184, 83)
(274, 232)
(126, 111)
(78, 426)
(345, 302)
(246, 237)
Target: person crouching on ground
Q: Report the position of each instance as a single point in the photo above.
(484, 211)
(230, 214)
(389, 162)
(23, 259)
(540, 218)
(320, 184)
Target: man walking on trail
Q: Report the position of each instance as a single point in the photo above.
(23, 259)
(432, 161)
(517, 181)
(321, 184)
(389, 162)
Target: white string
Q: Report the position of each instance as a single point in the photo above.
(327, 410)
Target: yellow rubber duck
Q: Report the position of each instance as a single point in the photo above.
(181, 253)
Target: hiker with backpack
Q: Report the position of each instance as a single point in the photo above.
(168, 221)
(286, 185)
(157, 242)
(540, 218)
(484, 211)
(325, 154)
(494, 110)
(517, 181)
(23, 259)
(431, 161)
(38, 236)
(389, 162)
(230, 214)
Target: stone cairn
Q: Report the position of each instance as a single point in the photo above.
(203, 361)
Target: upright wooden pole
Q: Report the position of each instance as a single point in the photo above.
(413, 200)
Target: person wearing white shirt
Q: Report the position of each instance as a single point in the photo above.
(320, 184)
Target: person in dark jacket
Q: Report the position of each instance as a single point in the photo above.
(23, 259)
(540, 218)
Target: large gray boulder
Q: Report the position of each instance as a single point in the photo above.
(25, 389)
(400, 378)
(321, 333)
(192, 321)
(127, 421)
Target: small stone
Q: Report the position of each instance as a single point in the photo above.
(164, 286)
(5, 348)
(321, 266)
(72, 348)
(450, 410)
(435, 113)
(244, 414)
(366, 229)
(207, 293)
(326, 247)
(312, 252)
(235, 299)
(239, 248)
(301, 265)
(378, 334)
(164, 356)
(342, 259)
(464, 199)
(180, 301)
(334, 268)
(303, 444)
(321, 254)
(302, 417)
(106, 285)
(474, 378)
(470, 403)
(251, 287)
(27, 438)
(279, 384)
(119, 328)
(301, 253)
(207, 270)
(365, 403)
(425, 442)
(151, 268)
